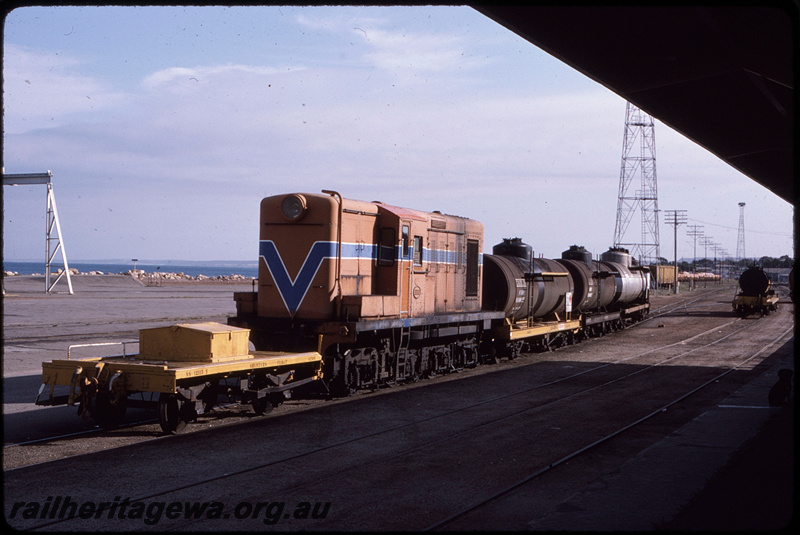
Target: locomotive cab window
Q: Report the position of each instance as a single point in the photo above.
(386, 244)
(472, 267)
(417, 250)
(405, 241)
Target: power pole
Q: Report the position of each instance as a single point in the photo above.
(706, 242)
(717, 248)
(675, 218)
(639, 133)
(695, 232)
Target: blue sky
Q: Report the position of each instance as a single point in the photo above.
(165, 126)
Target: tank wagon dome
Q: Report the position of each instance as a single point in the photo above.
(753, 281)
(578, 253)
(513, 247)
(618, 255)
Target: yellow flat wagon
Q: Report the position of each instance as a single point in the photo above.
(187, 366)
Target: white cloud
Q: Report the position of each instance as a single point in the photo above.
(44, 90)
(396, 51)
(181, 76)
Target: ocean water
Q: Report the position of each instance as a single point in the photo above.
(209, 270)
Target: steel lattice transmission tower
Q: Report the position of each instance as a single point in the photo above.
(740, 254)
(638, 161)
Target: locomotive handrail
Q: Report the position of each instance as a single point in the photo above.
(339, 250)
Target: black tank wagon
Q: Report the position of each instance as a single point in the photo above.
(756, 295)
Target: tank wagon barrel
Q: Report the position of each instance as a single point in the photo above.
(754, 281)
(548, 303)
(522, 286)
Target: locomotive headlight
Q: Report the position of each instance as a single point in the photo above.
(293, 207)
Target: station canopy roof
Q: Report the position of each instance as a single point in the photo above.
(721, 76)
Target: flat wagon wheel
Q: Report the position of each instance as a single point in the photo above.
(263, 405)
(109, 411)
(174, 413)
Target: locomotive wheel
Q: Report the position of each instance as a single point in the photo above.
(174, 413)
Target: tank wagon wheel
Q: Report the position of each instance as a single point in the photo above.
(174, 413)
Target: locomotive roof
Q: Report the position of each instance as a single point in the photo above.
(403, 213)
(409, 213)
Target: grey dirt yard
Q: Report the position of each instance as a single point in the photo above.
(662, 426)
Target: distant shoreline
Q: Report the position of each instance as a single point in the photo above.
(148, 279)
(162, 271)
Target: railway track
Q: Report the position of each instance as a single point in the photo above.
(442, 429)
(614, 434)
(682, 304)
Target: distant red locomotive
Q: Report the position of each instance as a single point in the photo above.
(389, 294)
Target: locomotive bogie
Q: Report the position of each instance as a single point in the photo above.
(393, 356)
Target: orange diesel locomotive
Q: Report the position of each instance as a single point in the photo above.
(384, 293)
(388, 294)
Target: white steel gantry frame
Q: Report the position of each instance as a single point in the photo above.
(28, 179)
(639, 133)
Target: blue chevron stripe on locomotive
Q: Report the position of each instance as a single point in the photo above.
(293, 290)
